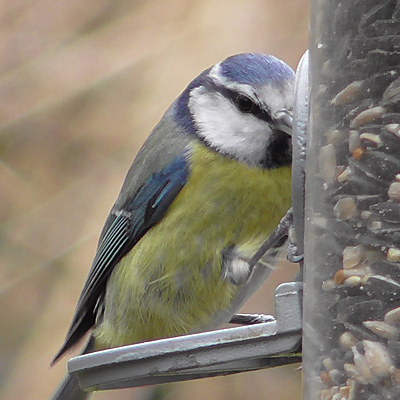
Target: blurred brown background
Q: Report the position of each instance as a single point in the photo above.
(82, 82)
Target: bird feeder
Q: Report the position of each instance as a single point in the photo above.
(351, 347)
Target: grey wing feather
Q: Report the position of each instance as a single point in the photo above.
(122, 228)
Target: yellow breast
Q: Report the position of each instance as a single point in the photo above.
(170, 282)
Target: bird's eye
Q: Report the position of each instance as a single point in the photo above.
(244, 104)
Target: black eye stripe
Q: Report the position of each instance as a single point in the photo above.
(258, 112)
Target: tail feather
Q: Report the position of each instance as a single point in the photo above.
(69, 389)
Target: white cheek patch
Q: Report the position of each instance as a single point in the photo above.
(224, 127)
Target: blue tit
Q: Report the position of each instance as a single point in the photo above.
(207, 188)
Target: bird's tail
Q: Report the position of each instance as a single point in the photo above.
(69, 389)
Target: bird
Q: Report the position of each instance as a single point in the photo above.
(208, 186)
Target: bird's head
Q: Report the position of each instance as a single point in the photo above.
(242, 108)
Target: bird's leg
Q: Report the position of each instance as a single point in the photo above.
(292, 253)
(285, 228)
(274, 239)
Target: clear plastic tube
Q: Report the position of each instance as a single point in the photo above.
(352, 239)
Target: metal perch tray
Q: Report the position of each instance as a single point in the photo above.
(201, 355)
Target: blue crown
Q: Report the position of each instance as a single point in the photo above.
(256, 69)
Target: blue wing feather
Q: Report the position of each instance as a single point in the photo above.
(124, 228)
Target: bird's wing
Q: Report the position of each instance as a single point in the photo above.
(124, 227)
